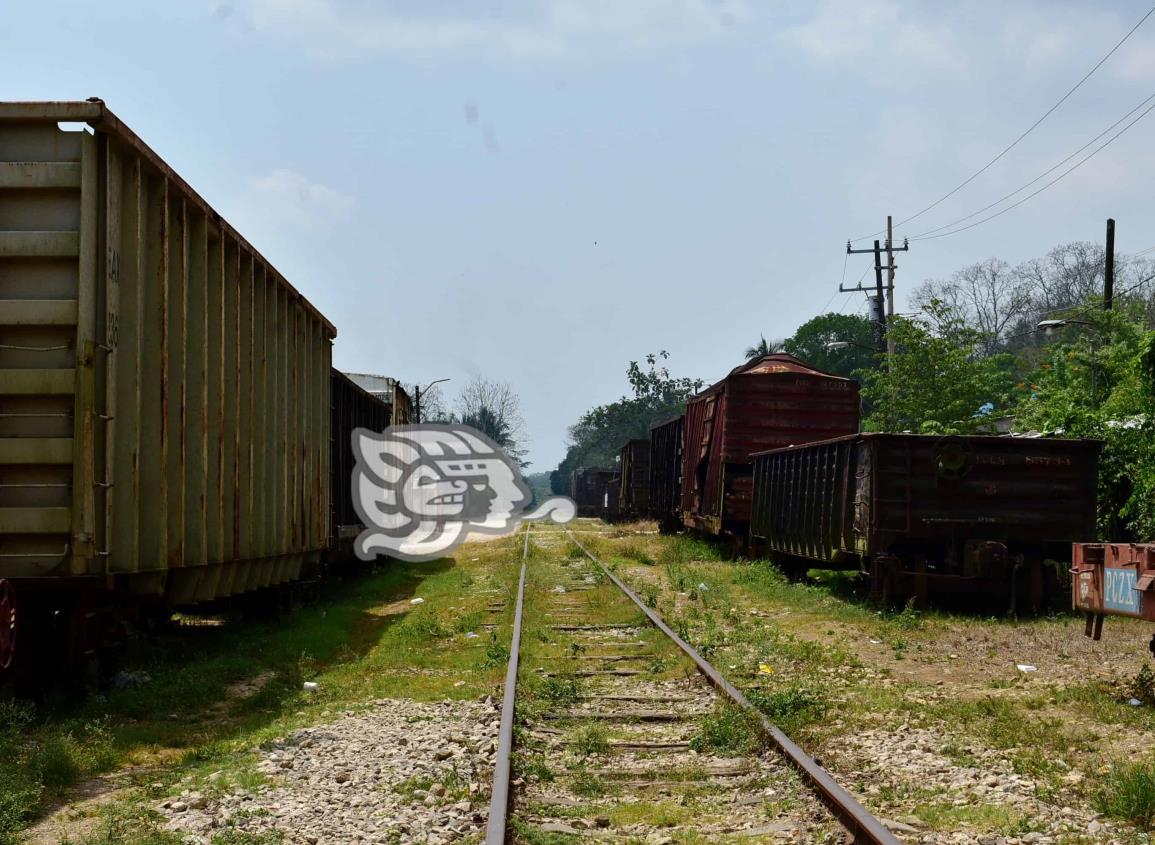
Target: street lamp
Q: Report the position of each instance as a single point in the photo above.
(846, 344)
(1048, 328)
(417, 398)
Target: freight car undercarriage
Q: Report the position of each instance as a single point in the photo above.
(77, 627)
(974, 572)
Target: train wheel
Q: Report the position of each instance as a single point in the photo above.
(7, 624)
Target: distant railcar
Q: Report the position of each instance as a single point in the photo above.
(634, 492)
(768, 403)
(588, 490)
(666, 473)
(352, 407)
(923, 514)
(611, 500)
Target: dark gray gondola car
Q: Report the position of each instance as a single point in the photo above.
(923, 514)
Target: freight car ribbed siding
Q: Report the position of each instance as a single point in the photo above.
(765, 404)
(611, 502)
(352, 408)
(961, 507)
(666, 471)
(163, 413)
(634, 497)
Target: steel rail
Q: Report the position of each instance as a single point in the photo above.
(864, 827)
(499, 801)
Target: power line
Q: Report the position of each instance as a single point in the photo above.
(1029, 130)
(1058, 178)
(1046, 172)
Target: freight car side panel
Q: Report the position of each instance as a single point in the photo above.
(352, 408)
(1022, 489)
(635, 485)
(163, 414)
(666, 468)
(924, 496)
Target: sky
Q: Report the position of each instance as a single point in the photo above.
(541, 192)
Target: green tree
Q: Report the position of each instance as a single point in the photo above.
(1096, 380)
(599, 435)
(937, 381)
(763, 348)
(835, 343)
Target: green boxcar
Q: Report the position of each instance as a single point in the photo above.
(164, 392)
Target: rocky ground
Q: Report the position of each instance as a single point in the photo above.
(971, 782)
(402, 771)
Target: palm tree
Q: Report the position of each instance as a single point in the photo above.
(764, 348)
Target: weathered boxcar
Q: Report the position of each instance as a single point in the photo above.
(1113, 579)
(666, 473)
(388, 390)
(634, 495)
(352, 408)
(611, 500)
(164, 425)
(587, 488)
(772, 402)
(924, 514)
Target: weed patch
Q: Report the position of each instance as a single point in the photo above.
(728, 730)
(590, 740)
(558, 690)
(790, 709)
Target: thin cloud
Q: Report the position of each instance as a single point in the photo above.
(295, 199)
(866, 31)
(340, 29)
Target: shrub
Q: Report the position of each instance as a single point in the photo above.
(728, 730)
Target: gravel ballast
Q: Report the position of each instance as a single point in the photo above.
(402, 771)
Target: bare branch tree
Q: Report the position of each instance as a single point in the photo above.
(989, 296)
(494, 408)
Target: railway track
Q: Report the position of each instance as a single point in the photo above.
(625, 733)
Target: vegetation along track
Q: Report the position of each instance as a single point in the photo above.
(625, 733)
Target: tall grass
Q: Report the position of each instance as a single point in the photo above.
(1128, 793)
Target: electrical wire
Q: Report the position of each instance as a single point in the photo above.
(840, 284)
(1058, 178)
(1029, 130)
(1045, 173)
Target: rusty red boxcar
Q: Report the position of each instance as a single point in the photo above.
(924, 514)
(666, 473)
(772, 402)
(1113, 579)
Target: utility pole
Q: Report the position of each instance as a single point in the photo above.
(1109, 267)
(877, 301)
(890, 268)
(882, 303)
